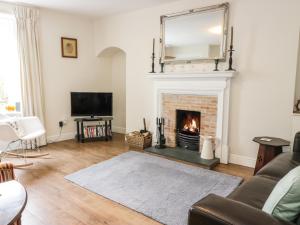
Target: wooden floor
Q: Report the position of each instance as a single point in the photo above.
(52, 200)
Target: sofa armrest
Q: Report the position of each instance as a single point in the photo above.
(216, 210)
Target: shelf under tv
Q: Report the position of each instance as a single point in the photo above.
(103, 134)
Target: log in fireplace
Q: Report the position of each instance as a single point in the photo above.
(188, 129)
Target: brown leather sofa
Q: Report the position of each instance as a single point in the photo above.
(243, 206)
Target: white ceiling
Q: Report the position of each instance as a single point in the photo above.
(94, 8)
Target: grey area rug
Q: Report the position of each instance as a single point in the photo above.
(156, 187)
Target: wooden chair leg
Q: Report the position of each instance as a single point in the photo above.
(21, 166)
(26, 155)
(17, 166)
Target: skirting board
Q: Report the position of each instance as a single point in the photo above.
(233, 158)
(120, 130)
(242, 160)
(63, 137)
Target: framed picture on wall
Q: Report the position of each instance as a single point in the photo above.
(69, 47)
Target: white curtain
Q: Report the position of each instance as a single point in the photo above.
(30, 66)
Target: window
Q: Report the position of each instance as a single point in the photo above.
(10, 85)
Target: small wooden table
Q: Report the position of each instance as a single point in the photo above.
(268, 150)
(13, 199)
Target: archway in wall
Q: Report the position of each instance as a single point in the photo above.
(112, 69)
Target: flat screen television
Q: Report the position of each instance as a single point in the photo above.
(91, 104)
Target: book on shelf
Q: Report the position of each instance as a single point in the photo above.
(96, 131)
(90, 132)
(109, 132)
(99, 129)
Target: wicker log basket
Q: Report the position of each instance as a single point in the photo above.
(138, 140)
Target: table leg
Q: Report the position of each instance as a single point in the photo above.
(82, 132)
(265, 155)
(78, 131)
(110, 130)
(106, 138)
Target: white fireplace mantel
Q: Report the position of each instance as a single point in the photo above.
(199, 83)
(192, 75)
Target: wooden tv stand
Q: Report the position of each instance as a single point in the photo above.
(99, 132)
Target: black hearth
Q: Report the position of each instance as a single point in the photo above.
(188, 129)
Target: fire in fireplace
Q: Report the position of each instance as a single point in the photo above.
(188, 129)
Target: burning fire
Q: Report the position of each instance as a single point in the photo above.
(191, 126)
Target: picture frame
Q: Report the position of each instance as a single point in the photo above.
(69, 47)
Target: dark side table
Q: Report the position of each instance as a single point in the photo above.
(268, 150)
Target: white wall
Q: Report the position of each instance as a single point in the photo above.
(118, 75)
(296, 116)
(266, 43)
(63, 75)
(113, 61)
(86, 73)
(297, 84)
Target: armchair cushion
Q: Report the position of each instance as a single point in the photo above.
(284, 201)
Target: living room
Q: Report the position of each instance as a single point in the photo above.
(204, 134)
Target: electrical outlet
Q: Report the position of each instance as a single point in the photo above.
(61, 123)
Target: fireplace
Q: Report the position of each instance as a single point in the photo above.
(188, 129)
(205, 92)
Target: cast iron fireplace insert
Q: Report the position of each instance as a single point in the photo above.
(188, 129)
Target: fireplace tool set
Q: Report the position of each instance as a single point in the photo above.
(160, 134)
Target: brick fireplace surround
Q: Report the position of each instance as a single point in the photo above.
(207, 105)
(208, 93)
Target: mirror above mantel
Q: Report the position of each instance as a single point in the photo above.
(195, 35)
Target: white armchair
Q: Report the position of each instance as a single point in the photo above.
(9, 135)
(27, 130)
(30, 129)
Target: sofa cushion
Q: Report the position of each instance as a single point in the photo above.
(281, 165)
(284, 200)
(254, 192)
